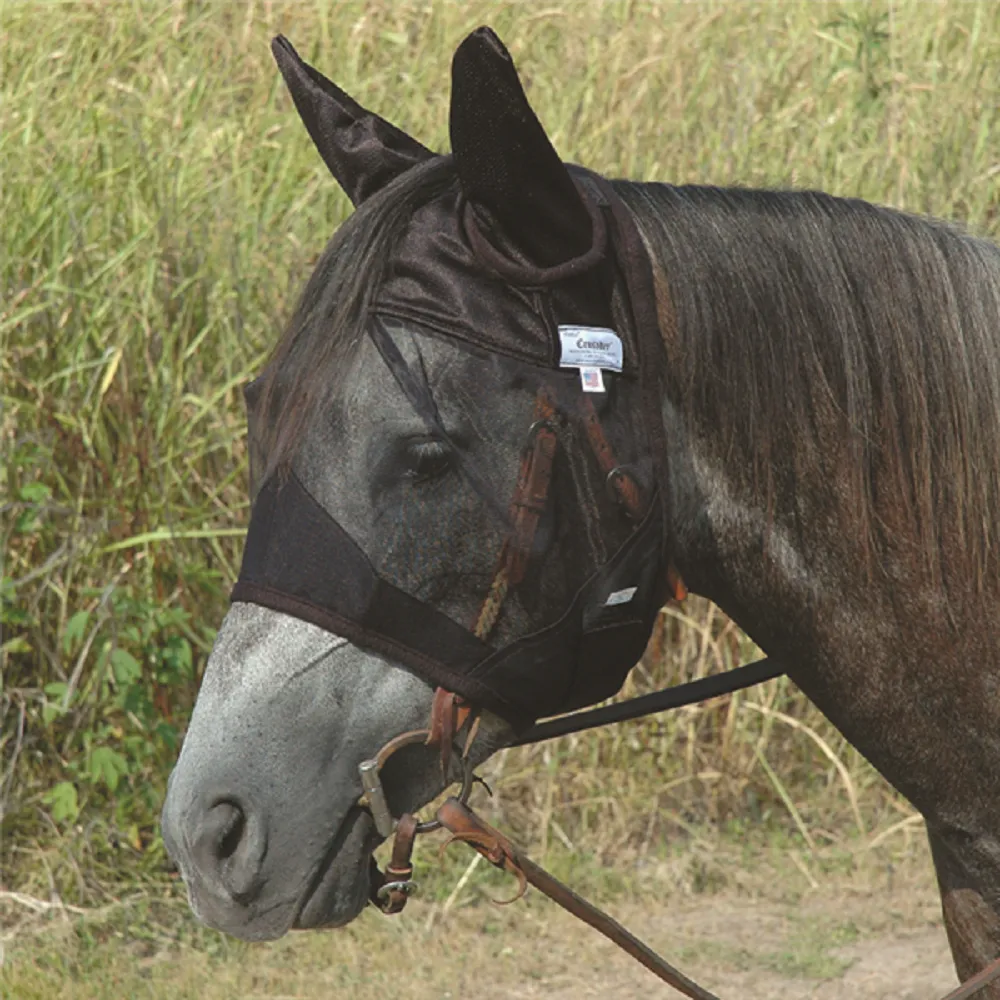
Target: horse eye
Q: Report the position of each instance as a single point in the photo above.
(427, 458)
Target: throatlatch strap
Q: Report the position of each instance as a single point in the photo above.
(625, 487)
(659, 701)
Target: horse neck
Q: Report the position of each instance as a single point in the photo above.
(787, 560)
(772, 396)
(800, 531)
(730, 548)
(898, 670)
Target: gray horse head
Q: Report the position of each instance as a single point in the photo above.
(409, 526)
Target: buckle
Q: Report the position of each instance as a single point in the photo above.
(407, 888)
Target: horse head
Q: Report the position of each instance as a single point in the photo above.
(453, 486)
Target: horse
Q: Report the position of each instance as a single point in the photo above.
(793, 407)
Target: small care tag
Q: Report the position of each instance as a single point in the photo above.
(620, 597)
(590, 347)
(592, 380)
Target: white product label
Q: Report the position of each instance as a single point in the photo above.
(590, 347)
(592, 380)
(620, 597)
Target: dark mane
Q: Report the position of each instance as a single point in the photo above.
(329, 318)
(832, 335)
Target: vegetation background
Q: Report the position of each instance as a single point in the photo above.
(162, 206)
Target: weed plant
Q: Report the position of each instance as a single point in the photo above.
(162, 206)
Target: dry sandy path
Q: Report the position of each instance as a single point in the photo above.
(744, 950)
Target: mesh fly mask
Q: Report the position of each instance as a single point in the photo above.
(570, 511)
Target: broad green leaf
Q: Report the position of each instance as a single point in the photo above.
(107, 765)
(63, 802)
(26, 522)
(166, 736)
(12, 615)
(75, 629)
(177, 657)
(125, 666)
(52, 707)
(34, 492)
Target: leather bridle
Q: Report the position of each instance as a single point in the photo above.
(448, 712)
(450, 715)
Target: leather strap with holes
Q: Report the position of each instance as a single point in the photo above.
(527, 505)
(625, 487)
(532, 491)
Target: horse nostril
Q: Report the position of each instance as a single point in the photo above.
(232, 832)
(219, 834)
(229, 847)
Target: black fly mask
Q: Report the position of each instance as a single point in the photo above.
(526, 286)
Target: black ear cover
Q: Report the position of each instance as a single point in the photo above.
(363, 151)
(506, 164)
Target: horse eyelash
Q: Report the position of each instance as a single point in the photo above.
(427, 459)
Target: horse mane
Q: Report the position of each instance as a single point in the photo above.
(831, 336)
(329, 319)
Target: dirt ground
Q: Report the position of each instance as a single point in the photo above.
(829, 946)
(773, 931)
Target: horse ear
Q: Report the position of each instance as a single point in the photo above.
(505, 161)
(364, 152)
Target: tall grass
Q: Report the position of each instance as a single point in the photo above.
(161, 207)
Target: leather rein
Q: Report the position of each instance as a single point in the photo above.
(450, 715)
